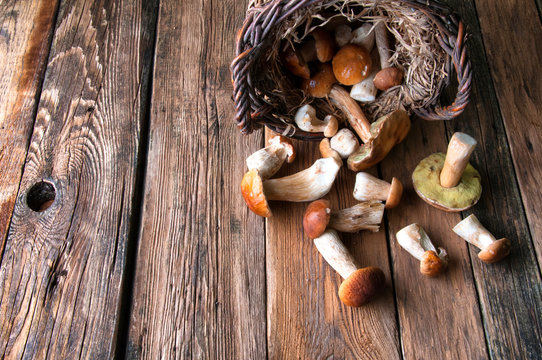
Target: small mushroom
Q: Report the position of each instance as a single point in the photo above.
(369, 187)
(295, 64)
(307, 185)
(321, 46)
(359, 285)
(306, 120)
(364, 36)
(351, 64)
(364, 91)
(343, 35)
(270, 159)
(448, 182)
(319, 85)
(328, 152)
(345, 143)
(363, 216)
(413, 239)
(388, 76)
(473, 231)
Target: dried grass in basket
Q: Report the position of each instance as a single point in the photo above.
(429, 39)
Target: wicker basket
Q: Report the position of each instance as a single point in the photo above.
(264, 93)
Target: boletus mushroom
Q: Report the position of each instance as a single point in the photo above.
(360, 285)
(448, 182)
(351, 64)
(388, 76)
(307, 185)
(369, 187)
(413, 239)
(306, 120)
(270, 159)
(474, 232)
(363, 216)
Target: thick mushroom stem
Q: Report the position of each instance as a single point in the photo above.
(363, 216)
(307, 185)
(270, 159)
(475, 233)
(335, 253)
(457, 157)
(328, 152)
(357, 119)
(306, 120)
(388, 76)
(382, 44)
(413, 239)
(368, 187)
(345, 143)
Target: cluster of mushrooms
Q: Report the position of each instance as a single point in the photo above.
(445, 181)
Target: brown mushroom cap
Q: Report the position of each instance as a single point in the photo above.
(387, 78)
(496, 251)
(252, 191)
(361, 286)
(351, 64)
(426, 180)
(324, 44)
(394, 196)
(295, 64)
(319, 85)
(316, 218)
(431, 265)
(386, 132)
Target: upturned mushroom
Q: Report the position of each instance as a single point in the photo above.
(369, 187)
(360, 285)
(307, 185)
(448, 182)
(306, 120)
(363, 216)
(379, 137)
(472, 231)
(270, 159)
(388, 76)
(413, 239)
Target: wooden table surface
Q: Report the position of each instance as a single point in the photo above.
(121, 111)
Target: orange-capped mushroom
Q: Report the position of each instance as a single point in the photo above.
(351, 64)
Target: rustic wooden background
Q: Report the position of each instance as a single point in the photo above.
(121, 111)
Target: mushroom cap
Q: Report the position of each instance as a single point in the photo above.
(394, 196)
(351, 64)
(386, 132)
(325, 44)
(326, 151)
(431, 265)
(286, 144)
(316, 218)
(496, 251)
(252, 191)
(319, 85)
(426, 180)
(361, 286)
(295, 64)
(387, 78)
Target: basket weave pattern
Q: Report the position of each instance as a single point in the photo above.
(264, 17)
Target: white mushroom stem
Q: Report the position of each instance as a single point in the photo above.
(335, 253)
(382, 44)
(357, 119)
(474, 232)
(343, 35)
(364, 36)
(345, 143)
(307, 185)
(459, 151)
(270, 159)
(363, 216)
(328, 152)
(413, 239)
(369, 187)
(306, 120)
(364, 91)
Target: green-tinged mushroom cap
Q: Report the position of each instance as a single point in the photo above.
(426, 179)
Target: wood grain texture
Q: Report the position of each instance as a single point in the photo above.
(25, 32)
(62, 268)
(200, 277)
(515, 70)
(439, 317)
(512, 314)
(306, 319)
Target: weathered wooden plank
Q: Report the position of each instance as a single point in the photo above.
(306, 318)
(200, 276)
(512, 33)
(439, 317)
(62, 268)
(510, 293)
(25, 39)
